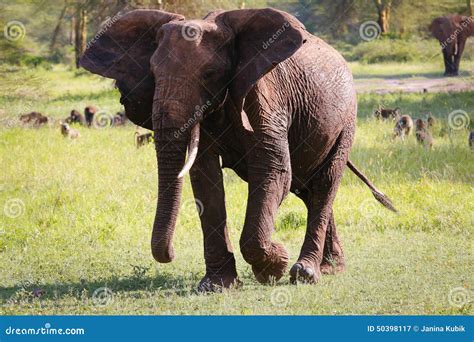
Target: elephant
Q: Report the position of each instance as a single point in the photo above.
(452, 32)
(253, 89)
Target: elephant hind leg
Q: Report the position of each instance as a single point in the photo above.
(320, 216)
(333, 256)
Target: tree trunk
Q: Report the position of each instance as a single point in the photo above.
(469, 7)
(58, 27)
(384, 11)
(72, 32)
(80, 34)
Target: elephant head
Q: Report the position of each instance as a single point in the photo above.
(181, 72)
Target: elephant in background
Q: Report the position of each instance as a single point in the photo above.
(253, 88)
(452, 32)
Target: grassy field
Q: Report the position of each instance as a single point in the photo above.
(76, 217)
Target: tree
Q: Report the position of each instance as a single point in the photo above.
(58, 27)
(80, 33)
(384, 11)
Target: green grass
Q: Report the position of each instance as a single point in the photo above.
(87, 206)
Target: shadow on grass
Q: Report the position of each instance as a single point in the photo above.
(26, 292)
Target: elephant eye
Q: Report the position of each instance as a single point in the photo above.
(209, 74)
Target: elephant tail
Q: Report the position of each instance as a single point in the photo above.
(379, 196)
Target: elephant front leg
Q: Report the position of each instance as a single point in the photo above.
(449, 64)
(208, 188)
(269, 176)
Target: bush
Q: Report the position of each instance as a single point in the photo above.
(394, 50)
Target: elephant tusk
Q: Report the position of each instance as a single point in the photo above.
(192, 150)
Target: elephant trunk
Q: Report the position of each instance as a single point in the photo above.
(171, 153)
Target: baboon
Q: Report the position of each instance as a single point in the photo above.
(120, 119)
(471, 140)
(430, 120)
(89, 113)
(26, 118)
(403, 127)
(42, 120)
(69, 132)
(75, 117)
(423, 134)
(142, 139)
(36, 118)
(385, 113)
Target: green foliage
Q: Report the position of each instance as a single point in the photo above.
(398, 50)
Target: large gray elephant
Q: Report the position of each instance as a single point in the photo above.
(452, 32)
(253, 87)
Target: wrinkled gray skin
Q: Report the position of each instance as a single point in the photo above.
(254, 87)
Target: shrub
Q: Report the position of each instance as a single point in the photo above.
(394, 50)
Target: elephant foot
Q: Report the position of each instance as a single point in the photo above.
(333, 265)
(220, 278)
(451, 74)
(217, 284)
(273, 267)
(304, 273)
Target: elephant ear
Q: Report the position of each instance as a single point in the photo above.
(263, 38)
(122, 50)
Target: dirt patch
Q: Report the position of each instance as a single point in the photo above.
(414, 85)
